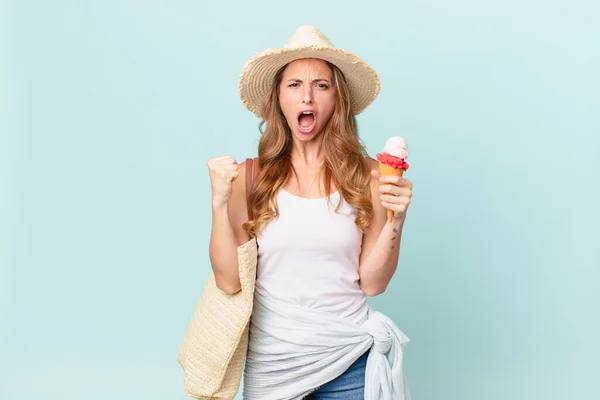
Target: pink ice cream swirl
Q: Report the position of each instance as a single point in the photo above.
(394, 153)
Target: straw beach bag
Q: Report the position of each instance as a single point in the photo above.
(214, 347)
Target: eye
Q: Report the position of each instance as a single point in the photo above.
(323, 86)
(293, 84)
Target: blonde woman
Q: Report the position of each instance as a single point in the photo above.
(320, 219)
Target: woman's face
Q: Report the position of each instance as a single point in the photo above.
(307, 97)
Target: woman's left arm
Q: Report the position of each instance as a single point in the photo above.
(381, 241)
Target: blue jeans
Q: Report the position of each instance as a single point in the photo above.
(348, 386)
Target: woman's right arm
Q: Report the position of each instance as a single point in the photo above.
(229, 213)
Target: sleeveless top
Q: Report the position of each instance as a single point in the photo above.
(308, 256)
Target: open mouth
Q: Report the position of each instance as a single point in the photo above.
(307, 121)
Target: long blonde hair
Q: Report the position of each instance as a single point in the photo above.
(346, 160)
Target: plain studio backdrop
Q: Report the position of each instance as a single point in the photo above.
(110, 110)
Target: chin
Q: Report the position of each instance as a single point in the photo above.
(306, 137)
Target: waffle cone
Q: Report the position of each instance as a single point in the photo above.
(386, 170)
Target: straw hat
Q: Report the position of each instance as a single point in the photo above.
(307, 42)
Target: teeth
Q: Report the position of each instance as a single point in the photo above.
(307, 113)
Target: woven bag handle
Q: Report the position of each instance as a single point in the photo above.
(251, 174)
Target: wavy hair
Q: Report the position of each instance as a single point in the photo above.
(346, 162)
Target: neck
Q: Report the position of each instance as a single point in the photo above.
(308, 154)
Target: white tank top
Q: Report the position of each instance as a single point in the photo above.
(309, 256)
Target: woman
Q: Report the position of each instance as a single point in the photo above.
(320, 219)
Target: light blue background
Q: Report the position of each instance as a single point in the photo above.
(110, 110)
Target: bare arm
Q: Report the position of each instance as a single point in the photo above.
(381, 244)
(227, 232)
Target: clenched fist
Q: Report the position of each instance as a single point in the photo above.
(223, 171)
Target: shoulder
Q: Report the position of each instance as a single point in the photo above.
(375, 184)
(242, 168)
(240, 182)
(373, 166)
(379, 216)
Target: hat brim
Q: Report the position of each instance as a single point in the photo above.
(258, 75)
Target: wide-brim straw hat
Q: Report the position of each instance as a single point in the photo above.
(258, 74)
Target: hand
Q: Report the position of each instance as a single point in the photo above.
(396, 193)
(223, 171)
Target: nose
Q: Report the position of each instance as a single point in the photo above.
(307, 95)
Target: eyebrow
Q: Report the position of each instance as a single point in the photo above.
(314, 80)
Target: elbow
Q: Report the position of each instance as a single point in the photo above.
(228, 287)
(373, 290)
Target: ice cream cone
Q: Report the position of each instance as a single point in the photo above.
(387, 170)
